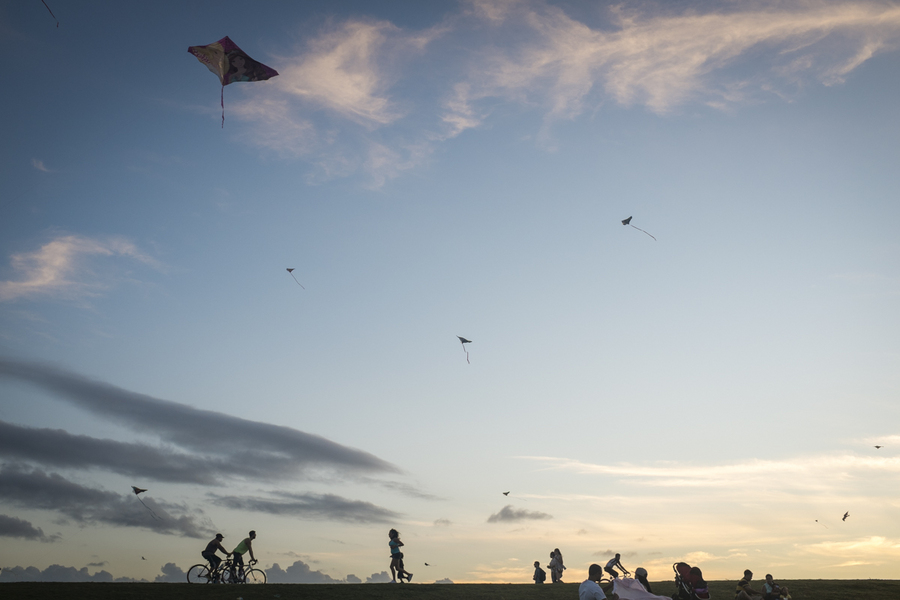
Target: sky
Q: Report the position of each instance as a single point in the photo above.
(705, 384)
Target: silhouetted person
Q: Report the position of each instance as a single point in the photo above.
(743, 591)
(210, 552)
(246, 545)
(540, 576)
(612, 564)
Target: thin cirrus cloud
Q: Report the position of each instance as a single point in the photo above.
(342, 103)
(805, 473)
(63, 267)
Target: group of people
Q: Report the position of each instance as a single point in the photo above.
(770, 591)
(555, 565)
(237, 564)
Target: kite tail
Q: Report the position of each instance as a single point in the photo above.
(298, 283)
(51, 13)
(467, 357)
(638, 228)
(222, 102)
(155, 516)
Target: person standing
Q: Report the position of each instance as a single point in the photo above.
(553, 565)
(540, 576)
(559, 565)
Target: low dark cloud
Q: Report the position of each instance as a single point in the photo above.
(53, 573)
(299, 572)
(84, 505)
(508, 514)
(310, 506)
(353, 579)
(445, 580)
(275, 451)
(97, 565)
(15, 527)
(171, 573)
(382, 577)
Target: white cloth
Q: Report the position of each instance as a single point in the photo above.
(590, 590)
(631, 589)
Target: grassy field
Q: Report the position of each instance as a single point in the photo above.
(818, 589)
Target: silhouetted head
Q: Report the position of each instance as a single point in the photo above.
(618, 556)
(595, 572)
(768, 578)
(748, 574)
(393, 533)
(252, 535)
(537, 564)
(220, 537)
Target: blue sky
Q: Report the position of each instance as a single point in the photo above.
(440, 169)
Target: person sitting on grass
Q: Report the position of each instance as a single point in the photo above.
(641, 575)
(773, 591)
(590, 588)
(743, 591)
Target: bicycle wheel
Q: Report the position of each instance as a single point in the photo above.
(255, 576)
(199, 574)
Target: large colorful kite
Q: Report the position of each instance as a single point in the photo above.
(230, 64)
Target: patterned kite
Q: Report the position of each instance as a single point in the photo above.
(230, 64)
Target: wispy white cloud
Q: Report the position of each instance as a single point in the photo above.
(349, 86)
(39, 165)
(63, 267)
(808, 473)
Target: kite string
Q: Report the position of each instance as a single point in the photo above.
(155, 516)
(639, 229)
(222, 102)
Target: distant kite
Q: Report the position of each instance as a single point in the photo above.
(230, 64)
(506, 493)
(628, 222)
(846, 514)
(879, 447)
(137, 491)
(291, 271)
(51, 13)
(464, 341)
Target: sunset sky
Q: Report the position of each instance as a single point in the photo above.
(708, 385)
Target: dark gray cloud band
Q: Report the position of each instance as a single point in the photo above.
(274, 451)
(15, 527)
(508, 514)
(36, 489)
(310, 506)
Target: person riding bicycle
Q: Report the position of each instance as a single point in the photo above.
(210, 552)
(246, 545)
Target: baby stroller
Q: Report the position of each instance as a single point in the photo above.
(689, 584)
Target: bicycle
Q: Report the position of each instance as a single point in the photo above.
(250, 575)
(206, 573)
